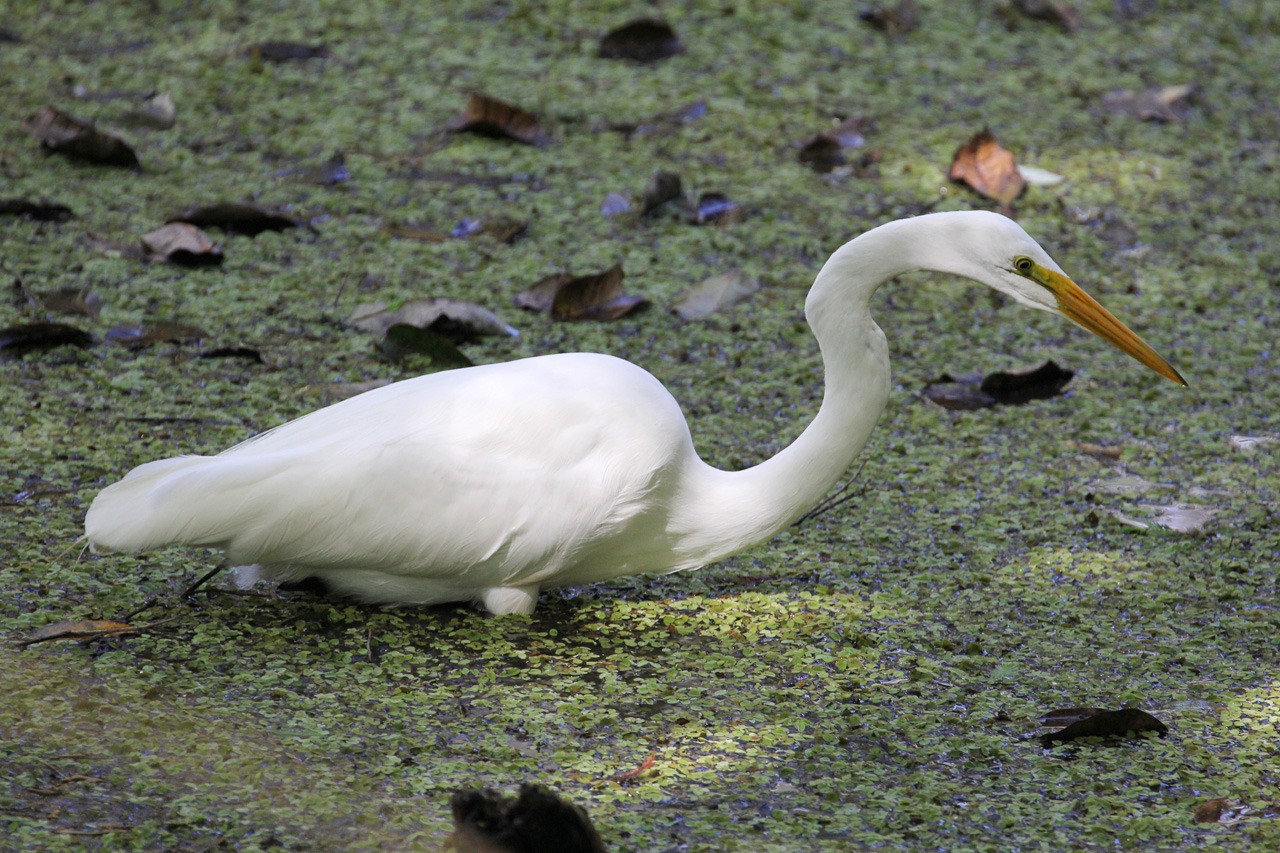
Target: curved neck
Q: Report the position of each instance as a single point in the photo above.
(746, 507)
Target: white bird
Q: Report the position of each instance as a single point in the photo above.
(491, 482)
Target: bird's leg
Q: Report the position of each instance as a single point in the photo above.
(501, 600)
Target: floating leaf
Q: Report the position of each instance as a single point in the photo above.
(1183, 518)
(715, 294)
(1066, 716)
(181, 243)
(459, 321)
(146, 334)
(36, 211)
(987, 168)
(642, 40)
(500, 228)
(960, 396)
(1127, 722)
(402, 340)
(486, 822)
(490, 117)
(636, 772)
(80, 629)
(233, 218)
(1067, 18)
(587, 297)
(663, 187)
(1100, 451)
(895, 20)
(66, 300)
(28, 337)
(330, 173)
(247, 353)
(1162, 103)
(824, 151)
(157, 112)
(1014, 387)
(1250, 443)
(716, 209)
(287, 51)
(1220, 810)
(63, 133)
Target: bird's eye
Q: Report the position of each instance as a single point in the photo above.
(1023, 265)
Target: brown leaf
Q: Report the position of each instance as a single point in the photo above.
(1126, 722)
(824, 151)
(1066, 716)
(1162, 103)
(663, 187)
(1219, 810)
(36, 211)
(895, 20)
(716, 209)
(488, 116)
(63, 133)
(146, 334)
(459, 321)
(1065, 17)
(181, 243)
(484, 821)
(330, 173)
(29, 337)
(987, 168)
(287, 51)
(960, 396)
(402, 339)
(83, 301)
(1015, 387)
(1102, 451)
(234, 218)
(665, 124)
(501, 228)
(715, 294)
(80, 629)
(588, 297)
(642, 40)
(636, 772)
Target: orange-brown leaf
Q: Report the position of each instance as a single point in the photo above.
(639, 770)
(987, 168)
(490, 117)
(80, 629)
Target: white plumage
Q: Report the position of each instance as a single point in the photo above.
(490, 482)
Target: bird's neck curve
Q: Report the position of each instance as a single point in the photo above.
(724, 512)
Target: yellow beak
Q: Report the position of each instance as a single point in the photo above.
(1085, 310)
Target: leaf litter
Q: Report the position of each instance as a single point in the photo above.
(641, 40)
(62, 133)
(595, 296)
(488, 116)
(1092, 722)
(456, 319)
(988, 169)
(715, 294)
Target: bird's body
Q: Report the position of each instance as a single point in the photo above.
(493, 481)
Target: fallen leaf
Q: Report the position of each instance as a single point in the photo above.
(1126, 723)
(1184, 518)
(36, 211)
(401, 340)
(29, 337)
(716, 209)
(1066, 716)
(287, 51)
(63, 133)
(1212, 811)
(488, 116)
(146, 334)
(824, 151)
(157, 112)
(636, 772)
(80, 629)
(1067, 18)
(1161, 103)
(536, 820)
(1015, 387)
(1129, 484)
(895, 20)
(83, 301)
(1250, 443)
(247, 353)
(233, 218)
(987, 168)
(598, 296)
(714, 294)
(1102, 451)
(959, 396)
(181, 243)
(502, 229)
(642, 40)
(459, 321)
(663, 187)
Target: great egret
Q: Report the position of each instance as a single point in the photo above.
(491, 482)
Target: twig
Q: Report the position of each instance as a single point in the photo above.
(835, 500)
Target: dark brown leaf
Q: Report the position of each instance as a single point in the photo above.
(1221, 810)
(287, 51)
(8, 36)
(181, 243)
(542, 294)
(1066, 716)
(37, 211)
(895, 20)
(987, 168)
(28, 337)
(643, 40)
(587, 297)
(247, 353)
(716, 209)
(146, 334)
(1067, 18)
(247, 219)
(1127, 722)
(402, 340)
(1162, 103)
(63, 133)
(825, 151)
(500, 228)
(963, 396)
(80, 629)
(488, 116)
(536, 821)
(663, 187)
(1015, 387)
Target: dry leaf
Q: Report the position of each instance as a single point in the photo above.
(894, 20)
(80, 629)
(1066, 716)
(1220, 810)
(536, 820)
(643, 40)
(959, 396)
(1015, 387)
(1065, 17)
(247, 219)
(715, 294)
(636, 772)
(29, 337)
(663, 187)
(36, 211)
(457, 320)
(987, 168)
(716, 209)
(63, 133)
(287, 51)
(824, 151)
(588, 297)
(1101, 451)
(500, 228)
(1183, 518)
(488, 116)
(1162, 103)
(181, 243)
(1126, 722)
(1250, 443)
(157, 112)
(83, 301)
(146, 334)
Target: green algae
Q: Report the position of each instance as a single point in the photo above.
(870, 679)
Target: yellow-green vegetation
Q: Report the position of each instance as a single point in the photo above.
(871, 679)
